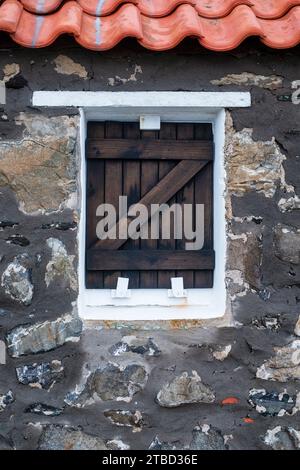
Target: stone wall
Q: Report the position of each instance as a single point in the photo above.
(231, 383)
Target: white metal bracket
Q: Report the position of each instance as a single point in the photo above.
(177, 290)
(149, 122)
(122, 291)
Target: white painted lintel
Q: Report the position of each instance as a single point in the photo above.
(143, 99)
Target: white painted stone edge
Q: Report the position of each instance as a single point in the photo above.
(2, 353)
(2, 93)
(144, 99)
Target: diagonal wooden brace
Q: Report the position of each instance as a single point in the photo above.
(160, 194)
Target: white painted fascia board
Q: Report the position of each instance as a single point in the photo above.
(2, 93)
(143, 99)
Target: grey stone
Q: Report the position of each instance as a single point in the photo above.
(78, 398)
(145, 347)
(44, 336)
(272, 403)
(6, 399)
(112, 382)
(18, 240)
(16, 280)
(156, 444)
(268, 322)
(115, 382)
(207, 438)
(65, 438)
(185, 389)
(203, 438)
(116, 444)
(42, 375)
(283, 438)
(287, 243)
(17, 82)
(42, 409)
(61, 226)
(7, 224)
(5, 443)
(289, 204)
(131, 419)
(283, 366)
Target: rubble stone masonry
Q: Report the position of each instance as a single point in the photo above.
(232, 383)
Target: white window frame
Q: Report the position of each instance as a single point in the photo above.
(2, 93)
(193, 107)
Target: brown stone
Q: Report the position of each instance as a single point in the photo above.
(245, 256)
(253, 165)
(66, 66)
(40, 168)
(185, 389)
(271, 82)
(283, 366)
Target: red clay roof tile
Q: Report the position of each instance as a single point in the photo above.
(219, 25)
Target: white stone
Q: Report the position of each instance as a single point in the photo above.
(223, 353)
(61, 264)
(16, 281)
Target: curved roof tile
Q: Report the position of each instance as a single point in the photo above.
(219, 25)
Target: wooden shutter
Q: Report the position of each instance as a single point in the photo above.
(172, 165)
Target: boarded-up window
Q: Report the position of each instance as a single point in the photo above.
(170, 166)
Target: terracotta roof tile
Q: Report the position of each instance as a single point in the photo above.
(157, 24)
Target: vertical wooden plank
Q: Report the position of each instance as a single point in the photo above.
(95, 196)
(106, 181)
(204, 195)
(113, 188)
(185, 196)
(149, 178)
(132, 189)
(168, 132)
